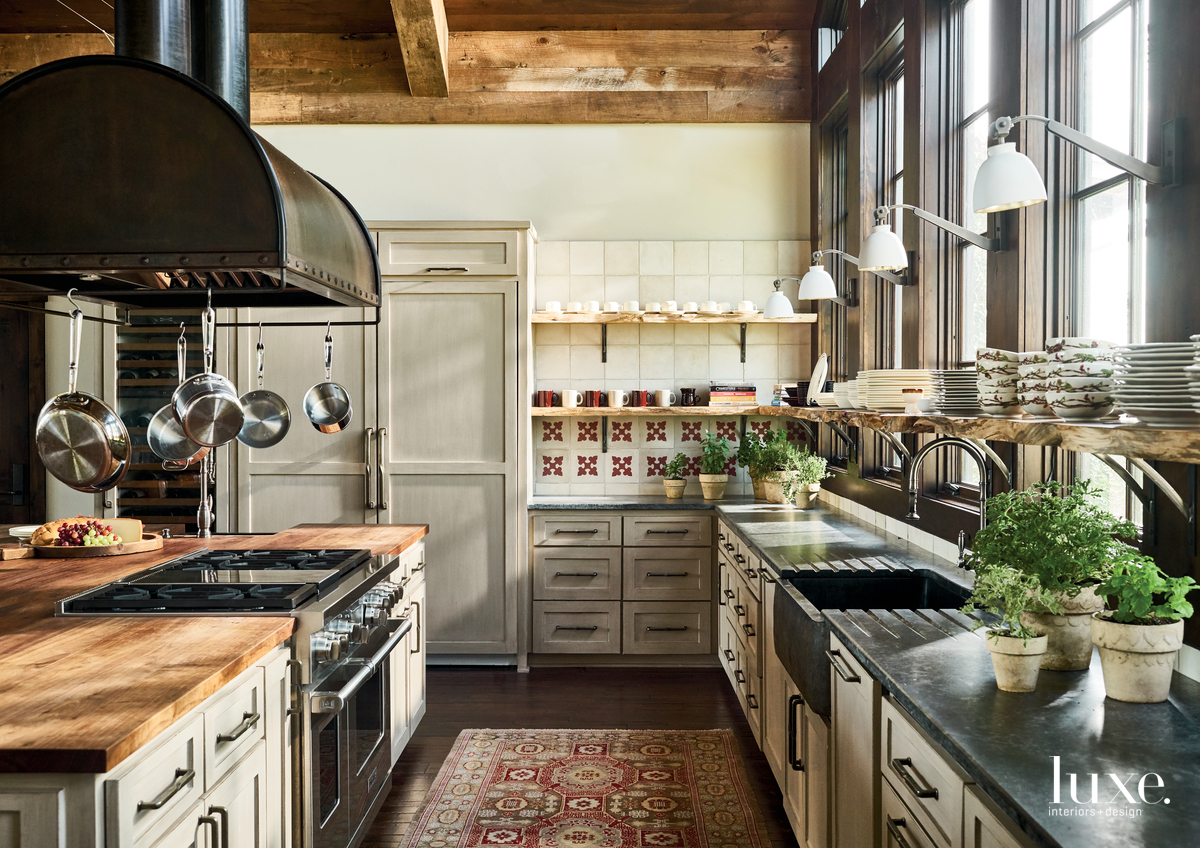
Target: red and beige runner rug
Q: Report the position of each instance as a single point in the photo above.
(590, 789)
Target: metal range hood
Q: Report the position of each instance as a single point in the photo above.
(128, 178)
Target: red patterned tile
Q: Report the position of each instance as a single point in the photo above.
(693, 467)
(727, 430)
(795, 432)
(731, 466)
(690, 431)
(622, 431)
(588, 466)
(552, 466)
(552, 431)
(656, 431)
(588, 431)
(622, 466)
(656, 466)
(760, 427)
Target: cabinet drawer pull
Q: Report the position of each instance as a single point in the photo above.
(739, 609)
(182, 778)
(576, 573)
(248, 721)
(720, 536)
(794, 761)
(752, 701)
(669, 629)
(901, 766)
(420, 567)
(728, 546)
(766, 575)
(209, 821)
(370, 490)
(739, 675)
(668, 532)
(751, 573)
(434, 269)
(666, 574)
(562, 532)
(224, 814)
(381, 455)
(739, 559)
(748, 629)
(729, 593)
(592, 627)
(893, 826)
(728, 654)
(848, 676)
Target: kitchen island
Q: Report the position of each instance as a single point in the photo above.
(81, 694)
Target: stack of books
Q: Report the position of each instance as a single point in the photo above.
(729, 395)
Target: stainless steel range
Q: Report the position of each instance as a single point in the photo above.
(342, 602)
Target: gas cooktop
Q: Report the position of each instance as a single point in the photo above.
(233, 599)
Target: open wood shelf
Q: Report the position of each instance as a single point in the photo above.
(648, 318)
(641, 411)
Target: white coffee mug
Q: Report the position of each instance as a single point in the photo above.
(572, 398)
(689, 306)
(573, 306)
(745, 306)
(591, 306)
(612, 306)
(708, 306)
(653, 306)
(553, 306)
(629, 306)
(664, 397)
(617, 399)
(671, 306)
(723, 307)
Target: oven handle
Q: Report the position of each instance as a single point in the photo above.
(333, 702)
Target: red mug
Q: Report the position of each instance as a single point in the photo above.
(544, 398)
(593, 398)
(639, 398)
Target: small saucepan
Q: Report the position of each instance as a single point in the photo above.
(80, 439)
(268, 416)
(327, 404)
(207, 405)
(165, 435)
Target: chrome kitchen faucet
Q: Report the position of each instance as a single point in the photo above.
(972, 450)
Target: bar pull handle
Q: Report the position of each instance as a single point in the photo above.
(417, 640)
(668, 532)
(739, 675)
(748, 629)
(182, 778)
(794, 761)
(751, 573)
(248, 721)
(370, 493)
(729, 593)
(893, 826)
(224, 814)
(561, 532)
(462, 269)
(577, 574)
(739, 559)
(739, 609)
(668, 629)
(593, 627)
(208, 821)
(728, 546)
(752, 700)
(728, 655)
(382, 457)
(901, 766)
(666, 574)
(848, 676)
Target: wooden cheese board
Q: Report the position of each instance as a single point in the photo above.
(148, 542)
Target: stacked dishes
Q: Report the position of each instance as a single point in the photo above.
(827, 400)
(1080, 374)
(1154, 383)
(883, 391)
(996, 373)
(956, 392)
(847, 394)
(1033, 383)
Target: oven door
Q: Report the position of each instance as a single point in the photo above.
(345, 756)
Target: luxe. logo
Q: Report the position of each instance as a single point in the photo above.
(1108, 794)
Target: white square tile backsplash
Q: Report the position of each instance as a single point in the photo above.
(648, 357)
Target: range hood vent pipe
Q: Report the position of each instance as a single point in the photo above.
(209, 40)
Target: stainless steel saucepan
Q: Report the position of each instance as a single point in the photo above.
(80, 439)
(165, 435)
(207, 405)
(268, 416)
(327, 404)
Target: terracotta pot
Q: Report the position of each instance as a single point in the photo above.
(773, 489)
(760, 488)
(713, 486)
(1016, 661)
(806, 498)
(1137, 659)
(675, 488)
(1070, 634)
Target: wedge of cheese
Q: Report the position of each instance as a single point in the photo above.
(129, 529)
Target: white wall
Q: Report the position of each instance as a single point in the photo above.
(575, 182)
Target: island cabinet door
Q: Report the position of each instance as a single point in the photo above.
(310, 476)
(417, 643)
(239, 803)
(854, 742)
(448, 446)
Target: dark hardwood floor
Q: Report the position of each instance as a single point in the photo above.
(640, 698)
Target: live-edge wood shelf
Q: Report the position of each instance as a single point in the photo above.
(653, 318)
(642, 411)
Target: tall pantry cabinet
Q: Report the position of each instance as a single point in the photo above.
(440, 393)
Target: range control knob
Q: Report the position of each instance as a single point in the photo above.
(343, 631)
(391, 590)
(374, 614)
(325, 647)
(378, 597)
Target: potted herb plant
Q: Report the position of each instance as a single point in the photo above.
(750, 453)
(673, 476)
(1015, 648)
(1067, 541)
(1141, 630)
(792, 475)
(713, 478)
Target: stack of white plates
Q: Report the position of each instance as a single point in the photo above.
(956, 392)
(883, 391)
(826, 400)
(1154, 384)
(846, 394)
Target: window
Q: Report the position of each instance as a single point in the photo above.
(971, 135)
(830, 30)
(891, 190)
(1107, 270)
(839, 220)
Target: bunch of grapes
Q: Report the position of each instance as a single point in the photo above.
(89, 534)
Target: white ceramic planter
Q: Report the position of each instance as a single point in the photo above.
(1070, 634)
(760, 488)
(675, 488)
(807, 497)
(773, 489)
(1016, 661)
(1137, 659)
(713, 486)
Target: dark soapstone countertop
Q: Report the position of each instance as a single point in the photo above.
(629, 502)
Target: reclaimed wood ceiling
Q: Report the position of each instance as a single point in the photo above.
(506, 61)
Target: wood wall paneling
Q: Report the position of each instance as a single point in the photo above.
(421, 27)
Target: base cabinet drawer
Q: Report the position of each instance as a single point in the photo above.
(577, 627)
(900, 827)
(144, 802)
(984, 825)
(234, 725)
(667, 628)
(668, 530)
(194, 830)
(577, 574)
(668, 574)
(448, 253)
(923, 778)
(586, 529)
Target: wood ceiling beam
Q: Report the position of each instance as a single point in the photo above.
(424, 41)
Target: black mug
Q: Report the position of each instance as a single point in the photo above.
(687, 397)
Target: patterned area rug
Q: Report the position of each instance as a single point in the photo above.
(590, 789)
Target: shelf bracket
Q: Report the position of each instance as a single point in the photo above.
(604, 343)
(808, 429)
(743, 342)
(840, 430)
(898, 446)
(994, 457)
(603, 434)
(1144, 492)
(742, 428)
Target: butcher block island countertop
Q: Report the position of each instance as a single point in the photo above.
(81, 694)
